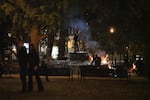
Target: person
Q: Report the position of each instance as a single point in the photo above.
(22, 60)
(139, 66)
(33, 69)
(76, 36)
(96, 61)
(44, 68)
(1, 69)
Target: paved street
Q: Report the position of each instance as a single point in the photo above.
(92, 88)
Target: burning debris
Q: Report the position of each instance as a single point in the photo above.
(104, 60)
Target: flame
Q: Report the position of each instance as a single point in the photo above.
(104, 60)
(90, 58)
(133, 66)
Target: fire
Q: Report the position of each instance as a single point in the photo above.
(90, 58)
(134, 68)
(104, 60)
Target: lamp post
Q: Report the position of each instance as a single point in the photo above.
(112, 31)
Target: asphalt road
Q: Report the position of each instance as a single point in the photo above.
(92, 88)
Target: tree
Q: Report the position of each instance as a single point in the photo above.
(131, 18)
(32, 16)
(5, 25)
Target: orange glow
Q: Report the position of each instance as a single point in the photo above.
(105, 59)
(90, 58)
(134, 68)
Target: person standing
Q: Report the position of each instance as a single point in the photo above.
(22, 60)
(76, 47)
(33, 69)
(96, 61)
(44, 68)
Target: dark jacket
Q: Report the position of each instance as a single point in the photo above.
(33, 58)
(22, 56)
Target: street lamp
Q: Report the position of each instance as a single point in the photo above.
(111, 30)
(9, 35)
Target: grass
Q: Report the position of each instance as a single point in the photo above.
(89, 89)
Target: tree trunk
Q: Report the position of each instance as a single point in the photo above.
(147, 61)
(62, 44)
(50, 43)
(35, 36)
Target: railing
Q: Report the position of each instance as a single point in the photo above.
(55, 72)
(102, 71)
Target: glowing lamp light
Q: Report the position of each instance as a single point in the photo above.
(27, 46)
(55, 52)
(9, 34)
(112, 30)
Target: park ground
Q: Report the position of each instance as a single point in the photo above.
(60, 88)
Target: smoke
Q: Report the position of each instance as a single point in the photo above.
(82, 27)
(100, 53)
(77, 24)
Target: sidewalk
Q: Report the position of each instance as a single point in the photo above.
(92, 88)
(77, 77)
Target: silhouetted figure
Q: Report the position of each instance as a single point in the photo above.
(126, 60)
(139, 65)
(44, 68)
(76, 47)
(22, 60)
(124, 69)
(33, 69)
(96, 61)
(1, 69)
